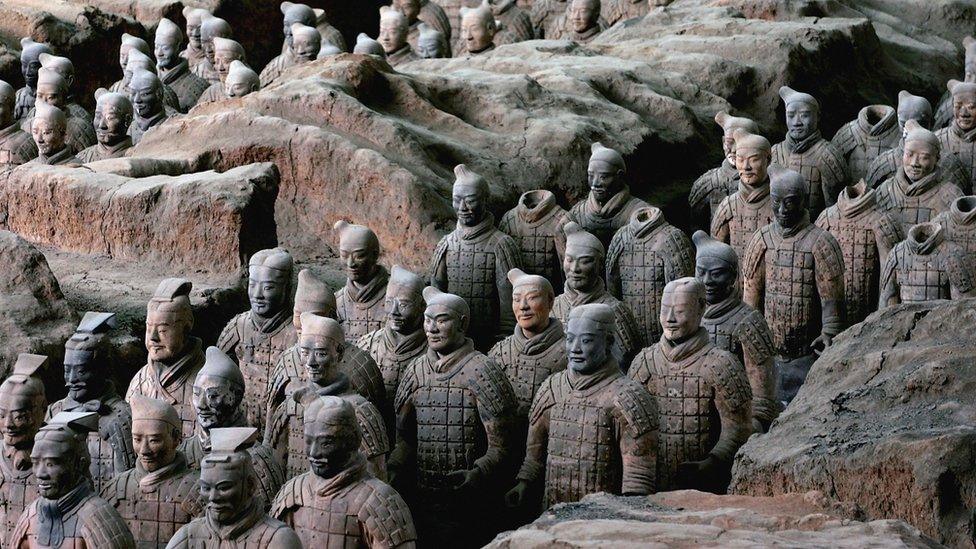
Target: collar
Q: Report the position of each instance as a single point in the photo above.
(312, 391)
(450, 362)
(968, 137)
(405, 345)
(146, 123)
(582, 298)
(803, 145)
(148, 482)
(916, 188)
(477, 231)
(920, 243)
(125, 143)
(229, 532)
(50, 513)
(754, 194)
(179, 372)
(583, 382)
(855, 200)
(60, 157)
(613, 206)
(722, 308)
(540, 343)
(960, 217)
(100, 404)
(545, 201)
(645, 221)
(168, 76)
(685, 349)
(887, 118)
(790, 232)
(271, 325)
(589, 33)
(369, 292)
(355, 471)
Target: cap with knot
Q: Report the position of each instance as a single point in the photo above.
(328, 49)
(482, 13)
(600, 313)
(238, 71)
(6, 91)
(321, 326)
(605, 154)
(31, 50)
(465, 176)
(25, 379)
(913, 106)
(141, 77)
(130, 43)
(168, 33)
(227, 443)
(335, 412)
(313, 295)
(785, 178)
(581, 241)
(50, 77)
(961, 88)
(790, 96)
(298, 13)
(218, 364)
(212, 27)
(367, 46)
(172, 296)
(401, 278)
(91, 331)
(429, 33)
(194, 16)
(112, 101)
(745, 141)
(277, 260)
(145, 408)
(44, 111)
(731, 123)
(915, 132)
(140, 61)
(520, 278)
(306, 33)
(61, 65)
(70, 427)
(457, 304)
(352, 236)
(706, 246)
(686, 285)
(228, 45)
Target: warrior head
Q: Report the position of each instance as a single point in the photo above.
(86, 357)
(605, 172)
(332, 435)
(682, 307)
(788, 195)
(532, 300)
(218, 391)
(241, 80)
(431, 43)
(584, 15)
(446, 320)
(194, 18)
(49, 128)
(167, 44)
(113, 115)
(306, 42)
(30, 60)
(169, 320)
(146, 92)
(716, 267)
(212, 27)
(913, 107)
(802, 113)
(478, 28)
(729, 124)
(128, 44)
(60, 455)
(404, 302)
(296, 13)
(921, 154)
(227, 477)
(752, 157)
(963, 104)
(312, 296)
(269, 281)
(22, 402)
(156, 432)
(393, 29)
(584, 258)
(320, 348)
(590, 337)
(226, 51)
(359, 251)
(469, 196)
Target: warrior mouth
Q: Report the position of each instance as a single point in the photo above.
(318, 463)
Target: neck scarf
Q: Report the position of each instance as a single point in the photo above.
(613, 206)
(535, 213)
(177, 374)
(851, 207)
(50, 513)
(685, 349)
(920, 243)
(967, 136)
(803, 145)
(367, 293)
(920, 187)
(790, 232)
(405, 345)
(721, 308)
(888, 118)
(644, 227)
(582, 298)
(168, 76)
(230, 532)
(540, 343)
(445, 364)
(148, 482)
(145, 123)
(59, 157)
(354, 471)
(477, 231)
(272, 324)
(754, 194)
(960, 217)
(582, 382)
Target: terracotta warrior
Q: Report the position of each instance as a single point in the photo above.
(367, 46)
(866, 234)
(888, 163)
(52, 90)
(64, 67)
(127, 45)
(959, 223)
(241, 80)
(709, 190)
(393, 37)
(917, 193)
(48, 127)
(609, 204)
(583, 267)
(217, 394)
(175, 356)
(478, 29)
(226, 51)
(959, 139)
(793, 273)
(944, 114)
(514, 25)
(314, 296)
(924, 267)
(146, 92)
(455, 421)
(736, 327)
(210, 27)
(320, 350)
(16, 145)
(87, 377)
(743, 213)
(30, 64)
(546, 16)
(431, 43)
(67, 512)
(537, 349)
(22, 405)
(473, 261)
(257, 338)
(402, 339)
(702, 393)
(292, 14)
(591, 429)
(360, 302)
(140, 61)
(306, 45)
(806, 152)
(336, 502)
(160, 494)
(861, 140)
(425, 13)
(331, 37)
(536, 224)
(581, 22)
(194, 49)
(615, 11)
(644, 255)
(113, 116)
(234, 515)
(173, 70)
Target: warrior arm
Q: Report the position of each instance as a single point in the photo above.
(438, 266)
(961, 268)
(733, 400)
(720, 221)
(229, 338)
(757, 356)
(499, 420)
(285, 538)
(613, 264)
(754, 273)
(537, 441)
(829, 265)
(404, 451)
(889, 293)
(636, 422)
(385, 520)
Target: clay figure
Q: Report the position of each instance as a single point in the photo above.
(217, 394)
(314, 296)
(194, 49)
(861, 140)
(67, 511)
(430, 43)
(702, 394)
(320, 349)
(173, 70)
(536, 224)
(228, 485)
(591, 429)
(455, 425)
(615, 11)
(226, 51)
(359, 303)
(743, 213)
(336, 502)
(175, 356)
(537, 348)
(30, 64)
(210, 27)
(140, 61)
(331, 37)
(793, 273)
(113, 116)
(64, 67)
(48, 128)
(806, 152)
(22, 405)
(160, 494)
(127, 45)
(52, 90)
(16, 146)
(473, 261)
(609, 204)
(959, 223)
(258, 337)
(888, 163)
(581, 22)
(736, 327)
(583, 267)
(292, 14)
(959, 138)
(306, 43)
(866, 234)
(421, 14)
(146, 92)
(644, 256)
(925, 266)
(709, 190)
(478, 29)
(393, 37)
(241, 80)
(944, 113)
(546, 16)
(402, 339)
(367, 46)
(514, 25)
(87, 376)
(917, 193)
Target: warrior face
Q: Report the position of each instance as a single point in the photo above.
(393, 33)
(85, 375)
(445, 328)
(605, 180)
(532, 306)
(305, 49)
(919, 159)
(477, 31)
(409, 8)
(588, 344)
(30, 68)
(267, 291)
(469, 203)
(328, 447)
(166, 335)
(48, 134)
(802, 119)
(430, 47)
(222, 60)
(717, 276)
(789, 204)
(404, 309)
(193, 35)
(582, 268)
(52, 94)
(20, 418)
(320, 356)
(147, 96)
(359, 256)
(216, 401)
(752, 165)
(583, 15)
(227, 489)
(681, 313)
(964, 111)
(56, 466)
(167, 52)
(155, 443)
(111, 122)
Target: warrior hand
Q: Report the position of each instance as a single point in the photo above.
(821, 343)
(464, 479)
(515, 496)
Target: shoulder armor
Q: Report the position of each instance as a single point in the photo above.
(723, 214)
(960, 268)
(844, 140)
(386, 516)
(230, 336)
(507, 254)
(889, 230)
(702, 187)
(409, 383)
(641, 370)
(890, 268)
(545, 397)
(494, 392)
(755, 255)
(679, 257)
(102, 526)
(621, 240)
(828, 256)
(755, 336)
(290, 497)
(730, 378)
(372, 427)
(880, 168)
(637, 407)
